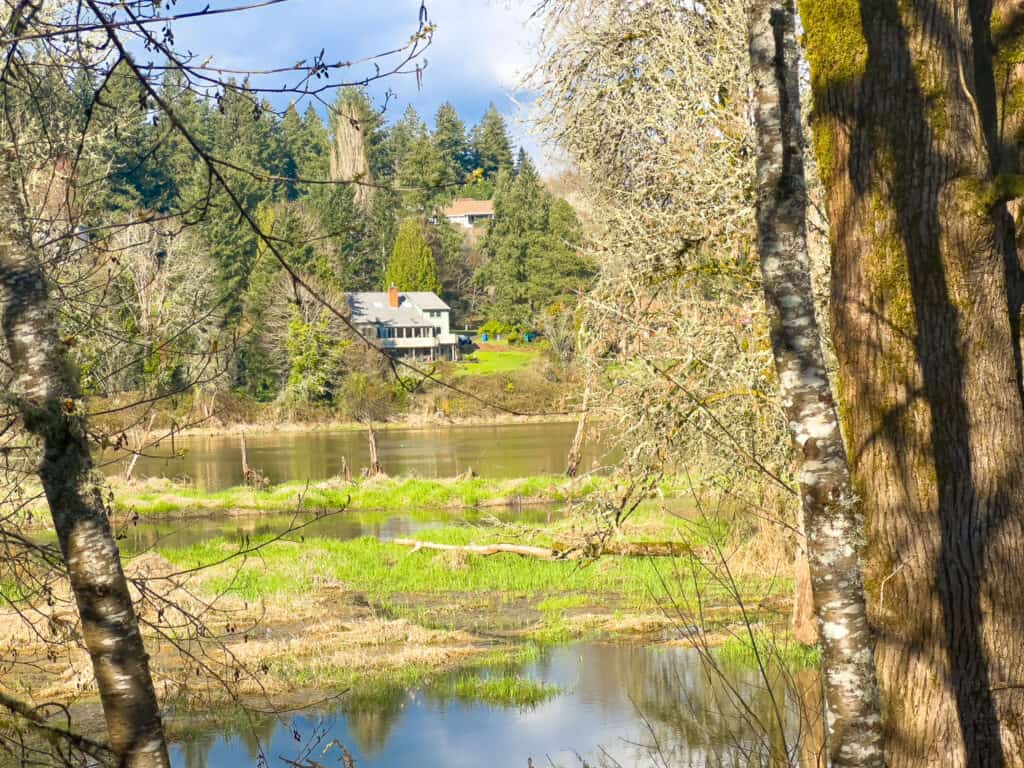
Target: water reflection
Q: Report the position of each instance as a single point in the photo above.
(178, 534)
(508, 450)
(623, 705)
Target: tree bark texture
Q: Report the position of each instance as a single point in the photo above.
(804, 624)
(925, 318)
(832, 522)
(45, 390)
(348, 157)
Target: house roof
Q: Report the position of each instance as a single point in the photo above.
(371, 307)
(464, 206)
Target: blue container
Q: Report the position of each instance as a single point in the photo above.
(483, 337)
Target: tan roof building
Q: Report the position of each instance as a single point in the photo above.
(468, 212)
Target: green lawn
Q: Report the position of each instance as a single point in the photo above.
(499, 360)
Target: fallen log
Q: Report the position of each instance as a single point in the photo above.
(612, 548)
(543, 553)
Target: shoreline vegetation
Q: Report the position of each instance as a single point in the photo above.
(411, 421)
(515, 378)
(373, 616)
(158, 497)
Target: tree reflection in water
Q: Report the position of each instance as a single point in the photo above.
(622, 705)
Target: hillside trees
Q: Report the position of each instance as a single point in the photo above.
(412, 266)
(492, 148)
(532, 250)
(926, 322)
(452, 144)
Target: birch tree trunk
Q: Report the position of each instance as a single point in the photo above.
(831, 520)
(926, 320)
(45, 390)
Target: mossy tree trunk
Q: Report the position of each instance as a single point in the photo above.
(925, 318)
(45, 392)
(831, 521)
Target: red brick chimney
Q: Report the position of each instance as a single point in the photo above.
(393, 296)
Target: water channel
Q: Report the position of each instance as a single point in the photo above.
(505, 450)
(620, 705)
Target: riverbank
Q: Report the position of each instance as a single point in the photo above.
(325, 423)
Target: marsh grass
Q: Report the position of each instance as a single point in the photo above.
(379, 494)
(384, 570)
(771, 648)
(504, 690)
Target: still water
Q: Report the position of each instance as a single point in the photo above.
(146, 534)
(506, 450)
(621, 706)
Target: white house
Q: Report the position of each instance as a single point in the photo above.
(467, 212)
(414, 324)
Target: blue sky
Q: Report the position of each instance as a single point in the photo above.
(480, 51)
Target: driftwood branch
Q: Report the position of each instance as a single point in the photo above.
(574, 552)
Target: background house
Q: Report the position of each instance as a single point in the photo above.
(467, 212)
(416, 324)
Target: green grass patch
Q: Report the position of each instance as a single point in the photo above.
(768, 648)
(562, 603)
(487, 362)
(383, 494)
(383, 570)
(504, 690)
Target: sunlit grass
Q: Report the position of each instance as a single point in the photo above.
(391, 494)
(768, 648)
(505, 690)
(383, 570)
(491, 361)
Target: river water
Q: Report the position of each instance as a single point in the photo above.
(505, 450)
(620, 706)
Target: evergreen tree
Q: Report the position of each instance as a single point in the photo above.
(136, 177)
(425, 178)
(178, 156)
(241, 134)
(492, 148)
(403, 134)
(452, 144)
(532, 250)
(412, 266)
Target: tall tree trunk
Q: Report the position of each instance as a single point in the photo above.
(925, 325)
(832, 523)
(348, 156)
(45, 390)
